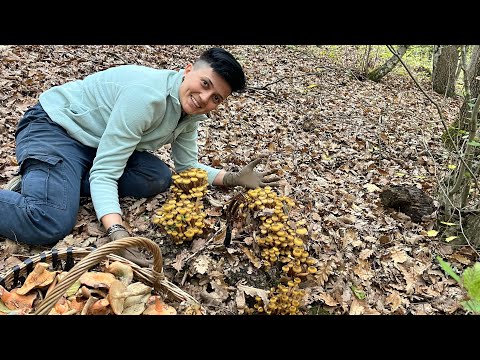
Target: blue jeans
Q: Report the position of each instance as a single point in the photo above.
(55, 171)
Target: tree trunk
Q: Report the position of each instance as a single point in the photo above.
(366, 59)
(444, 73)
(383, 70)
(472, 72)
(473, 61)
(458, 195)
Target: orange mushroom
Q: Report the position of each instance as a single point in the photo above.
(158, 307)
(97, 279)
(116, 296)
(15, 301)
(122, 271)
(100, 307)
(38, 278)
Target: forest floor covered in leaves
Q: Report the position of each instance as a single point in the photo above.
(337, 139)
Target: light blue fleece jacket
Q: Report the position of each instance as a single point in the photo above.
(119, 110)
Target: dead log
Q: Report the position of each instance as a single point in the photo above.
(409, 200)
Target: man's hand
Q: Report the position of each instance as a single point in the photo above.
(118, 232)
(249, 178)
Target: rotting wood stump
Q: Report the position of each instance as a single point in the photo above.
(409, 200)
(471, 229)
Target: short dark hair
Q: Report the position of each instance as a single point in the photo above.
(225, 65)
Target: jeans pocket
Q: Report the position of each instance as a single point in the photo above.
(44, 181)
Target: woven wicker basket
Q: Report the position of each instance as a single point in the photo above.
(90, 257)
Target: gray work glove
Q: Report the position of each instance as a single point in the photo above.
(132, 254)
(249, 178)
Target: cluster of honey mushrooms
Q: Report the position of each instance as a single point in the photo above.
(182, 216)
(279, 240)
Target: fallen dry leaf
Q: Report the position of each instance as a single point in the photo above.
(394, 299)
(328, 299)
(251, 291)
(356, 307)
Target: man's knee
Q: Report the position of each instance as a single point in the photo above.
(46, 226)
(154, 186)
(161, 185)
(145, 177)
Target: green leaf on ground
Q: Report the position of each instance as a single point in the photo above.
(358, 293)
(471, 305)
(471, 281)
(448, 269)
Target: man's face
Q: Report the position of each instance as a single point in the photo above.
(202, 90)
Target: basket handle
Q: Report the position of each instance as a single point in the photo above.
(94, 258)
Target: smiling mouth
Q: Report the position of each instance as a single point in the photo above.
(195, 102)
